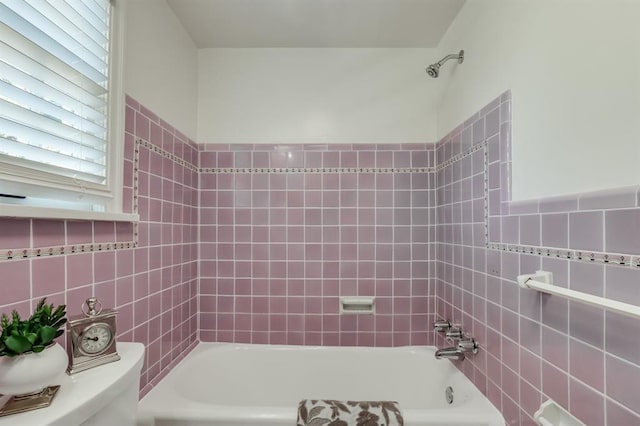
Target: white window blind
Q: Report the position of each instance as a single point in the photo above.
(54, 78)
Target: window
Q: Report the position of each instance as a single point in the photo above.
(60, 105)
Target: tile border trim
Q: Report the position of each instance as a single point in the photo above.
(460, 156)
(62, 250)
(166, 154)
(617, 259)
(319, 170)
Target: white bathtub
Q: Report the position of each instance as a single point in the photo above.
(236, 384)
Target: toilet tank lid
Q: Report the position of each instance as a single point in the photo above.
(87, 392)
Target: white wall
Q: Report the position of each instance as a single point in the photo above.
(161, 63)
(574, 70)
(273, 95)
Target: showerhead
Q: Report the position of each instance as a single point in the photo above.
(433, 70)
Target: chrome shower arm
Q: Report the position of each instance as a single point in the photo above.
(458, 56)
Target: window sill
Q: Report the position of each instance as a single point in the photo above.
(52, 213)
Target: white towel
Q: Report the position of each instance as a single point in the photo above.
(316, 412)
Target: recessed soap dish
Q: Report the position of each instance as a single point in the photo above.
(357, 305)
(551, 413)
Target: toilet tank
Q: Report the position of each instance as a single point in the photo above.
(102, 396)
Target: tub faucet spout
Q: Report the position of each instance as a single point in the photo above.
(450, 353)
(466, 345)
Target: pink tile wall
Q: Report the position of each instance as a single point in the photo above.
(534, 346)
(154, 285)
(287, 230)
(277, 248)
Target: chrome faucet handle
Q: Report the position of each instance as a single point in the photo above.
(454, 333)
(468, 344)
(441, 325)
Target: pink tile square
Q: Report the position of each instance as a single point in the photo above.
(384, 339)
(295, 305)
(530, 367)
(366, 159)
(79, 232)
(48, 275)
(141, 126)
(348, 339)
(586, 404)
(103, 232)
(48, 233)
(555, 384)
(124, 232)
(105, 292)
(243, 304)
(15, 281)
(530, 398)
(620, 382)
(555, 348)
(124, 291)
(619, 415)
(16, 233)
(105, 269)
(79, 269)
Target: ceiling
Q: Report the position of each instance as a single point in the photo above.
(316, 23)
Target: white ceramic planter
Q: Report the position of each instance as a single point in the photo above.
(32, 372)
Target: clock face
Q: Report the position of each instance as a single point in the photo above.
(95, 339)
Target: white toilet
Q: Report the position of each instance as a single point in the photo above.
(103, 396)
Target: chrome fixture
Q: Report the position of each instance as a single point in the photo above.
(448, 395)
(450, 353)
(441, 325)
(434, 69)
(454, 333)
(466, 345)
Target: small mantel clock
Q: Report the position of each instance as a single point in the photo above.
(92, 339)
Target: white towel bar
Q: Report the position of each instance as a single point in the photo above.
(543, 281)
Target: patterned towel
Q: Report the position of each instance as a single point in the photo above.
(314, 412)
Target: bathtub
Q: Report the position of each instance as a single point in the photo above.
(251, 385)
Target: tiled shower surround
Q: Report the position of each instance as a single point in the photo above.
(288, 230)
(536, 346)
(256, 243)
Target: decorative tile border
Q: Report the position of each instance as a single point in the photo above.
(166, 154)
(485, 183)
(617, 259)
(320, 170)
(136, 178)
(62, 250)
(259, 147)
(460, 156)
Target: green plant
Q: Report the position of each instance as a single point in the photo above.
(35, 334)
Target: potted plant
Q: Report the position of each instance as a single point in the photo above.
(30, 359)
